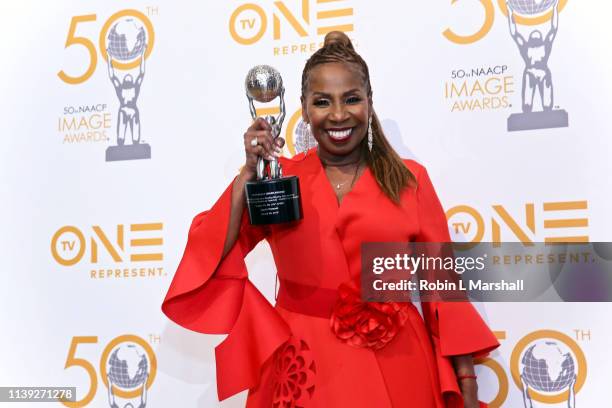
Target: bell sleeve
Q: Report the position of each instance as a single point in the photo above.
(213, 295)
(456, 328)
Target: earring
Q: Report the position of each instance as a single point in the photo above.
(308, 136)
(370, 136)
(302, 134)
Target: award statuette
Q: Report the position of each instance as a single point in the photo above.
(272, 199)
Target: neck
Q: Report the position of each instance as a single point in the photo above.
(329, 159)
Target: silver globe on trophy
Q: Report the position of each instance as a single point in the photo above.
(272, 198)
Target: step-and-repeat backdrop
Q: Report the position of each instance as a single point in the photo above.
(122, 120)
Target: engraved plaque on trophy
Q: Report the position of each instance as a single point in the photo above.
(272, 198)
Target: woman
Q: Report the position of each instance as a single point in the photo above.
(313, 349)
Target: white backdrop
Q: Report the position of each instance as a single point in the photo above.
(56, 184)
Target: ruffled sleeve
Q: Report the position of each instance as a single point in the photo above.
(213, 295)
(456, 328)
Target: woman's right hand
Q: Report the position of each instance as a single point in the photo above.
(267, 147)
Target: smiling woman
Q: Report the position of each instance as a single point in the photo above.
(321, 345)
(337, 104)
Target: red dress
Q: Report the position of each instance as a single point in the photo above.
(289, 355)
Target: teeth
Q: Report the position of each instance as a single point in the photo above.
(339, 134)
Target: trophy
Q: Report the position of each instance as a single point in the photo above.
(272, 198)
(537, 80)
(127, 88)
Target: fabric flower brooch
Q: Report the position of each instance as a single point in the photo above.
(365, 324)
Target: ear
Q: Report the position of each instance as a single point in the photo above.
(304, 115)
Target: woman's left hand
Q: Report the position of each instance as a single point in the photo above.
(464, 367)
(469, 390)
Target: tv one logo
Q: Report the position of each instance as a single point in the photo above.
(550, 222)
(142, 244)
(249, 22)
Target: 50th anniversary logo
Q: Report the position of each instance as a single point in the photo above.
(125, 41)
(532, 27)
(127, 367)
(546, 366)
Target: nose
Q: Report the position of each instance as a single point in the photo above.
(338, 112)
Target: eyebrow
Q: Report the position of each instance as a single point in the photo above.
(354, 90)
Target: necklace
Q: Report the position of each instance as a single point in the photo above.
(338, 185)
(341, 184)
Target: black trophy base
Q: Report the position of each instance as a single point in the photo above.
(274, 201)
(128, 152)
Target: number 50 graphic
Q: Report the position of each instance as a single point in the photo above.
(73, 361)
(73, 39)
(489, 17)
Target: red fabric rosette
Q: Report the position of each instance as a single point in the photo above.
(365, 324)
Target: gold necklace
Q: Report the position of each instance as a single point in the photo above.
(338, 185)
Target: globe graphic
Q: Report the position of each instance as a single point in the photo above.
(128, 366)
(531, 7)
(547, 368)
(126, 40)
